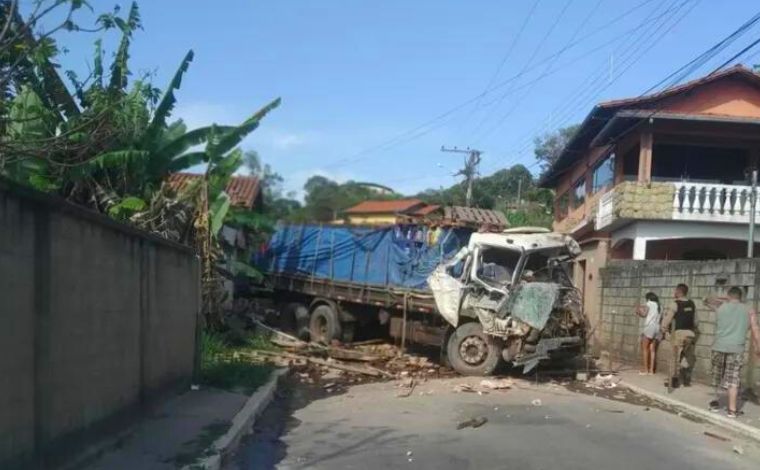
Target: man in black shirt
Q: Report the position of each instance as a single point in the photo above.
(679, 319)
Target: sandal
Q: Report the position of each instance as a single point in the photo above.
(731, 414)
(714, 406)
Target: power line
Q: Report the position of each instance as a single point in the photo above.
(589, 92)
(389, 143)
(538, 48)
(596, 91)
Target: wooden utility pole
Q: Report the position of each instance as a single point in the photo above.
(470, 170)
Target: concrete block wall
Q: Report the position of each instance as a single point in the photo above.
(624, 284)
(98, 319)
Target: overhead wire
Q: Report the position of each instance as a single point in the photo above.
(631, 55)
(420, 129)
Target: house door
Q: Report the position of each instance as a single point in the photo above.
(580, 276)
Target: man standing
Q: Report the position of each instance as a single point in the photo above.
(733, 319)
(679, 319)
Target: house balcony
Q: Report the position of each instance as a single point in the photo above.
(678, 201)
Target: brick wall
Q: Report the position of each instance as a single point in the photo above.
(624, 284)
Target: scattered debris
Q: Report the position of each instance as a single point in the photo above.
(536, 402)
(408, 453)
(716, 436)
(473, 423)
(195, 387)
(612, 411)
(603, 381)
(464, 388)
(739, 450)
(407, 387)
(496, 384)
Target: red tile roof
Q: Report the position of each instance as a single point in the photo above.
(382, 207)
(243, 190)
(425, 210)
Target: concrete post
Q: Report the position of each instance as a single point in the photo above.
(639, 248)
(645, 157)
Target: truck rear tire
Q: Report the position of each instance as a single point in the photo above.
(324, 324)
(472, 352)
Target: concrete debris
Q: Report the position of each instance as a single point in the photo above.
(739, 450)
(496, 384)
(716, 436)
(464, 388)
(536, 402)
(408, 453)
(473, 423)
(407, 387)
(603, 381)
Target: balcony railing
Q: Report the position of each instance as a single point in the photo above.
(712, 202)
(605, 213)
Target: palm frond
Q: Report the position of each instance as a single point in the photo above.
(230, 139)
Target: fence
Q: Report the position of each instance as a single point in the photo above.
(98, 319)
(624, 284)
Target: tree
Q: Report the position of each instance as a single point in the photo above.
(549, 147)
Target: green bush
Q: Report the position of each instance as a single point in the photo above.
(220, 369)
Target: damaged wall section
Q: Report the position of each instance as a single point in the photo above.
(624, 284)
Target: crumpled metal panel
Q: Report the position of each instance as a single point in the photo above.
(447, 292)
(533, 302)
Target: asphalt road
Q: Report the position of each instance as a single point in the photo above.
(368, 427)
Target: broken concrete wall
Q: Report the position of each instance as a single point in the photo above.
(98, 318)
(624, 284)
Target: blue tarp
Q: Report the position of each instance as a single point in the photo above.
(396, 256)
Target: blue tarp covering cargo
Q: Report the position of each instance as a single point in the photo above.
(396, 256)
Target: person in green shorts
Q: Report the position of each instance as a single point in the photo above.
(733, 319)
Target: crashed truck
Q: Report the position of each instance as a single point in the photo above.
(483, 298)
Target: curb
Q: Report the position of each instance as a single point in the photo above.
(241, 424)
(728, 424)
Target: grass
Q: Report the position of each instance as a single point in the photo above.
(220, 369)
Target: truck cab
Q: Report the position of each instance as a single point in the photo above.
(508, 297)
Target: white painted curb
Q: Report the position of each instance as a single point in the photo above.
(728, 424)
(241, 424)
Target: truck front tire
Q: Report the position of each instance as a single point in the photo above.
(472, 352)
(324, 324)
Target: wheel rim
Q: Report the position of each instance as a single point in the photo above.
(473, 350)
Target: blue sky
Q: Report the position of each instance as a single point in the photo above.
(353, 75)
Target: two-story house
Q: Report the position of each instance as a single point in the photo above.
(663, 176)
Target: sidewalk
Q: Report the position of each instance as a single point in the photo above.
(694, 399)
(175, 434)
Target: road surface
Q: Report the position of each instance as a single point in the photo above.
(368, 427)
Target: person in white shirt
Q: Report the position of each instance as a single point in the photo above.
(650, 331)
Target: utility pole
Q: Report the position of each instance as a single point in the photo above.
(519, 191)
(470, 170)
(752, 209)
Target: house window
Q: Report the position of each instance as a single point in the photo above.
(563, 203)
(604, 174)
(579, 193)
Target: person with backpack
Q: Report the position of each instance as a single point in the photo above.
(733, 319)
(680, 323)
(650, 332)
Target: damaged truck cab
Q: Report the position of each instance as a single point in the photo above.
(508, 297)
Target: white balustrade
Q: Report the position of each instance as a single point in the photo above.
(604, 213)
(712, 202)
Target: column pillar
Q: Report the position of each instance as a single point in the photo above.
(645, 156)
(639, 248)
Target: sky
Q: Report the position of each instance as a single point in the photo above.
(372, 90)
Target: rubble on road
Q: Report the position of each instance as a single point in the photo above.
(473, 423)
(497, 384)
(602, 382)
(348, 363)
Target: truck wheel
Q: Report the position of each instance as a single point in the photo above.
(472, 352)
(324, 325)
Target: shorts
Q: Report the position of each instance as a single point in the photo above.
(651, 331)
(727, 369)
